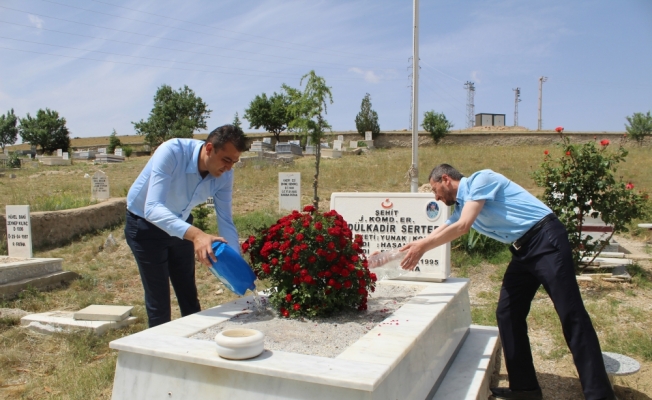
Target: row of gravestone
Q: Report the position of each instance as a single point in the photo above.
(294, 146)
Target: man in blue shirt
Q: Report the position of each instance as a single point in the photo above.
(181, 174)
(541, 255)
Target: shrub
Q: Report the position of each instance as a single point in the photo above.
(367, 119)
(313, 263)
(476, 243)
(200, 217)
(640, 126)
(436, 124)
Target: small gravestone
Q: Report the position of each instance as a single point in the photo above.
(297, 142)
(59, 153)
(308, 141)
(100, 186)
(337, 145)
(353, 144)
(102, 150)
(118, 152)
(340, 138)
(29, 156)
(289, 191)
(19, 232)
(267, 140)
(368, 135)
(64, 155)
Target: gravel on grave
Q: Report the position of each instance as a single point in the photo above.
(7, 260)
(323, 337)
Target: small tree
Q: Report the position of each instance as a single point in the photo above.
(640, 126)
(127, 151)
(8, 129)
(270, 113)
(367, 119)
(436, 124)
(113, 142)
(308, 109)
(176, 114)
(46, 130)
(582, 183)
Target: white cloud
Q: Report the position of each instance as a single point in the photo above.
(369, 75)
(475, 76)
(36, 21)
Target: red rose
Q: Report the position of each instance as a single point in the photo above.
(296, 280)
(312, 259)
(362, 291)
(245, 247)
(288, 297)
(274, 261)
(331, 282)
(318, 226)
(319, 238)
(355, 246)
(308, 279)
(345, 272)
(629, 186)
(568, 153)
(362, 283)
(299, 237)
(308, 208)
(604, 142)
(296, 307)
(347, 284)
(354, 258)
(545, 152)
(373, 277)
(338, 286)
(296, 268)
(304, 272)
(331, 245)
(266, 269)
(559, 129)
(328, 274)
(285, 312)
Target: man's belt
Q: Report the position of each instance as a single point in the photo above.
(533, 231)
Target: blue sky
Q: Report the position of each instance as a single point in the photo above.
(99, 62)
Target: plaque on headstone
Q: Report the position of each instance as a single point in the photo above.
(368, 135)
(289, 191)
(19, 232)
(102, 150)
(99, 186)
(337, 145)
(117, 151)
(64, 155)
(340, 138)
(389, 221)
(59, 153)
(267, 140)
(353, 144)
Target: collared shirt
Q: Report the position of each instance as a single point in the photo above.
(509, 210)
(170, 186)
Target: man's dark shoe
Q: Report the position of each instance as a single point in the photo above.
(506, 393)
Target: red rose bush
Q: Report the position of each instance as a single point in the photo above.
(313, 262)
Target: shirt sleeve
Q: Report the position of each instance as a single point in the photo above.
(484, 186)
(222, 200)
(164, 163)
(455, 216)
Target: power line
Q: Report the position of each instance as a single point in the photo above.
(187, 30)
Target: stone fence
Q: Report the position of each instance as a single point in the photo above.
(51, 228)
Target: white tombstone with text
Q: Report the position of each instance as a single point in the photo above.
(102, 150)
(353, 144)
(340, 138)
(368, 136)
(65, 155)
(289, 191)
(59, 153)
(337, 144)
(118, 152)
(19, 232)
(100, 186)
(389, 221)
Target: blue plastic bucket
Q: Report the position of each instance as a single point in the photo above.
(232, 269)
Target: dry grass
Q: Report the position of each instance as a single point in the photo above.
(81, 366)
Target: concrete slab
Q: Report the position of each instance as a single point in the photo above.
(98, 312)
(14, 270)
(62, 321)
(43, 282)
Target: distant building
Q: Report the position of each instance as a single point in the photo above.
(489, 119)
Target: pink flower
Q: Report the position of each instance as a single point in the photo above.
(629, 186)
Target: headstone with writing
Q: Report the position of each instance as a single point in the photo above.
(102, 150)
(297, 142)
(340, 138)
(29, 156)
(267, 140)
(64, 155)
(389, 221)
(19, 232)
(368, 136)
(100, 186)
(117, 151)
(59, 153)
(353, 144)
(289, 191)
(337, 144)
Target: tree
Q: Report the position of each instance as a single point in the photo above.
(270, 113)
(8, 129)
(640, 126)
(127, 150)
(176, 114)
(436, 124)
(308, 109)
(367, 119)
(582, 183)
(46, 130)
(113, 142)
(237, 123)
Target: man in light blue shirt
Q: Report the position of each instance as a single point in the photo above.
(181, 174)
(541, 255)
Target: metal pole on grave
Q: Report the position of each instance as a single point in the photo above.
(414, 169)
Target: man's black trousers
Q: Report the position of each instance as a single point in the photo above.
(162, 259)
(546, 260)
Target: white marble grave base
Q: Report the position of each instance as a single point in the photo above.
(331, 153)
(27, 268)
(54, 161)
(59, 321)
(390, 362)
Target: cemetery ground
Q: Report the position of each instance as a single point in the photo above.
(81, 366)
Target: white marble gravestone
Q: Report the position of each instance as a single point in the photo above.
(19, 231)
(59, 153)
(368, 135)
(337, 145)
(65, 156)
(289, 191)
(340, 138)
(117, 151)
(353, 144)
(100, 186)
(102, 150)
(389, 221)
(267, 140)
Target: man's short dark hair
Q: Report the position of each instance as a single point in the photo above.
(227, 133)
(446, 169)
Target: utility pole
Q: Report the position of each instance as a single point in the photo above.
(411, 90)
(470, 107)
(517, 98)
(541, 80)
(414, 169)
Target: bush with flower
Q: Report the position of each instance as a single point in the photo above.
(314, 264)
(582, 183)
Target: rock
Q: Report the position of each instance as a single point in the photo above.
(13, 313)
(110, 243)
(86, 176)
(219, 291)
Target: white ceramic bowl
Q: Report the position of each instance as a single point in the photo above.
(239, 344)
